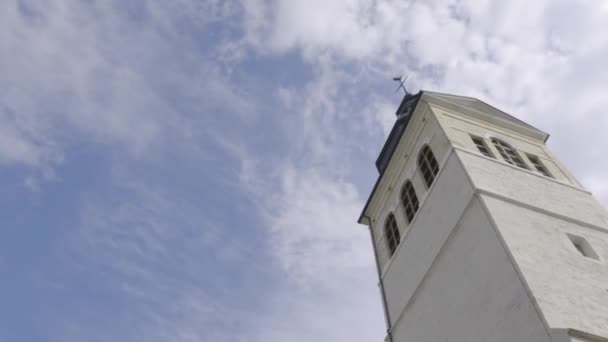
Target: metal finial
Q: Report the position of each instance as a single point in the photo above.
(401, 81)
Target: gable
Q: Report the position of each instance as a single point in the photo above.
(480, 106)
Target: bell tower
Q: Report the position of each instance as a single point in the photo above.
(480, 234)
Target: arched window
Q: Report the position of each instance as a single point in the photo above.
(508, 153)
(409, 200)
(428, 165)
(391, 231)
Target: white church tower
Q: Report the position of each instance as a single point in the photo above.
(480, 234)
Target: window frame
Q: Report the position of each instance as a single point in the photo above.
(481, 145)
(409, 201)
(538, 165)
(428, 165)
(392, 234)
(509, 153)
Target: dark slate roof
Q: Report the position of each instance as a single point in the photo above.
(407, 107)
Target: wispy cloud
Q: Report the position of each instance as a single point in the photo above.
(325, 256)
(164, 261)
(106, 73)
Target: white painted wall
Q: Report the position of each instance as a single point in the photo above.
(472, 293)
(430, 229)
(533, 215)
(571, 290)
(459, 127)
(497, 177)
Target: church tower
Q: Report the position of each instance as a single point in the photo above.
(480, 234)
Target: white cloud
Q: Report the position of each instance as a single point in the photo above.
(310, 206)
(59, 74)
(383, 113)
(160, 257)
(94, 73)
(326, 257)
(315, 228)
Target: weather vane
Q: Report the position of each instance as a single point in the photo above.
(401, 81)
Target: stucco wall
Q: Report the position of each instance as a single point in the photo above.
(472, 293)
(459, 127)
(512, 182)
(429, 231)
(571, 290)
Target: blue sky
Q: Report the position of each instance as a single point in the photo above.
(183, 170)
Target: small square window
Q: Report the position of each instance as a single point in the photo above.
(583, 246)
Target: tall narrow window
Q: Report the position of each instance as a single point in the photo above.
(392, 234)
(508, 153)
(481, 146)
(428, 165)
(538, 165)
(409, 200)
